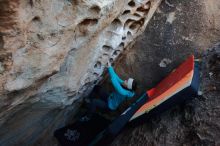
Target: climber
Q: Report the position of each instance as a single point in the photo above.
(111, 101)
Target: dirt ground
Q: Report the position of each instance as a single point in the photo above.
(177, 30)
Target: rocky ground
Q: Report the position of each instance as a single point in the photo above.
(178, 29)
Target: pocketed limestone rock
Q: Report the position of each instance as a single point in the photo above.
(53, 52)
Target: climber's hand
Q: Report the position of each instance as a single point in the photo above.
(108, 64)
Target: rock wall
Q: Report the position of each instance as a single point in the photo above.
(52, 53)
(178, 29)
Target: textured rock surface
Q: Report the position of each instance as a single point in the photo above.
(53, 51)
(178, 29)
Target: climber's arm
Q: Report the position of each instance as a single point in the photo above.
(113, 74)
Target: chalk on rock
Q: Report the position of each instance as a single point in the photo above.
(165, 62)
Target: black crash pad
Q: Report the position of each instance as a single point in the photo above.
(82, 132)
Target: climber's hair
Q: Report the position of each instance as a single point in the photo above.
(134, 85)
